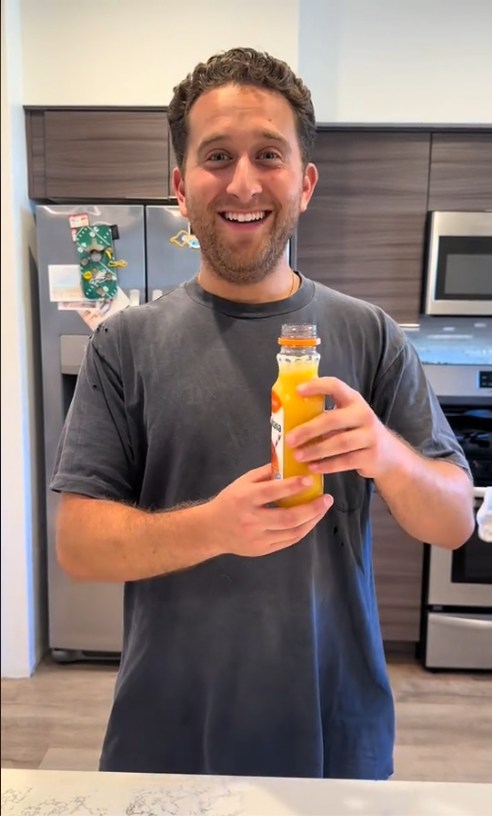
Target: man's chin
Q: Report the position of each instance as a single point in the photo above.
(241, 276)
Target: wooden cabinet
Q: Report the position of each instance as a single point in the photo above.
(98, 154)
(363, 232)
(461, 171)
(398, 563)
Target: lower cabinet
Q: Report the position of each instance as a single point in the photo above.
(398, 562)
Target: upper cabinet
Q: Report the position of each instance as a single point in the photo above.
(98, 154)
(461, 171)
(363, 232)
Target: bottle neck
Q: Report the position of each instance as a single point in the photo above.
(297, 357)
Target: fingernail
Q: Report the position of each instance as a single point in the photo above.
(301, 388)
(307, 481)
(290, 439)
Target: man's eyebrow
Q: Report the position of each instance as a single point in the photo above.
(267, 135)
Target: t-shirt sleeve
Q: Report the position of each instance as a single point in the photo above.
(95, 456)
(405, 401)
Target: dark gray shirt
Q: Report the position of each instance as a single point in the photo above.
(252, 666)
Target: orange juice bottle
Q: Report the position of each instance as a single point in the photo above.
(298, 361)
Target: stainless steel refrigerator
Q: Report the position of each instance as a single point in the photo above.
(153, 250)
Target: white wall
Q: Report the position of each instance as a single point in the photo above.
(23, 604)
(124, 52)
(408, 61)
(365, 60)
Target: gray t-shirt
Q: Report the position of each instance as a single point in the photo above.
(251, 666)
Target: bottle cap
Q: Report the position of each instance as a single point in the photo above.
(299, 334)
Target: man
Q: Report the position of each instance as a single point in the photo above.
(251, 638)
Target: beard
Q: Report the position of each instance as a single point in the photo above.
(249, 261)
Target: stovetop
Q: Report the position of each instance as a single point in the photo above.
(457, 356)
(452, 340)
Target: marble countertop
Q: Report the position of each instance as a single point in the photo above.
(66, 793)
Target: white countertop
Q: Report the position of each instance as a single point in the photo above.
(84, 793)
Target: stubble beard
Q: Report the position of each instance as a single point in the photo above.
(243, 266)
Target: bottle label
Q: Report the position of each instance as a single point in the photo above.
(277, 425)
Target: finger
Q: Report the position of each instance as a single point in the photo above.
(337, 464)
(279, 540)
(341, 393)
(288, 518)
(337, 444)
(326, 423)
(276, 489)
(261, 474)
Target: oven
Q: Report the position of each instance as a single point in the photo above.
(457, 608)
(456, 619)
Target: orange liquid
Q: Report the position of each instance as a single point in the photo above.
(296, 411)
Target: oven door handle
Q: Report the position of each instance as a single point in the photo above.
(470, 622)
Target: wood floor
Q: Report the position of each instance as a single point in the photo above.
(57, 718)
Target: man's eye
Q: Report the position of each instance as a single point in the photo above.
(219, 155)
(270, 154)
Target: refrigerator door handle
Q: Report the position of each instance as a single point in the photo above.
(134, 295)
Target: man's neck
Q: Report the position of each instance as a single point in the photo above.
(278, 285)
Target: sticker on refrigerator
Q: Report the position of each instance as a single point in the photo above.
(77, 305)
(76, 222)
(65, 284)
(97, 258)
(185, 238)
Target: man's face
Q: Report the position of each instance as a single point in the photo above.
(243, 186)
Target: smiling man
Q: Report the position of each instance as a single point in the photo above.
(251, 636)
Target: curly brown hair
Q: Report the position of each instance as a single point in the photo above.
(241, 66)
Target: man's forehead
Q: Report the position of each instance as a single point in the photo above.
(218, 113)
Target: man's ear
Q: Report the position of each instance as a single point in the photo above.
(179, 191)
(308, 185)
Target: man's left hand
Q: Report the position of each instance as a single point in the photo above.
(348, 437)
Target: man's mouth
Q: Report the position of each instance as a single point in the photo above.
(256, 217)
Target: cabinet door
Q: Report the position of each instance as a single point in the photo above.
(104, 154)
(363, 233)
(461, 171)
(398, 560)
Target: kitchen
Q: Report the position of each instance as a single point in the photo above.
(406, 222)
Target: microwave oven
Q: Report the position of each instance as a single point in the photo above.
(458, 279)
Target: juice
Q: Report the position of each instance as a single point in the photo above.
(298, 362)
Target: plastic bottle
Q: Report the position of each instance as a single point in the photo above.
(298, 361)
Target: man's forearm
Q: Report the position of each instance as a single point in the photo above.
(101, 540)
(431, 500)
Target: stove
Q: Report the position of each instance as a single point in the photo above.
(457, 595)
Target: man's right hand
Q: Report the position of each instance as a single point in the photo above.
(241, 521)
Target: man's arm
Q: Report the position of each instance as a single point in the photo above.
(100, 540)
(432, 500)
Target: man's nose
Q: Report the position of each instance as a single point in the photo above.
(244, 184)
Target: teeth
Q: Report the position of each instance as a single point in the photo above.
(231, 216)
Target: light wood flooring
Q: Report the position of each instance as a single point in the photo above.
(57, 718)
